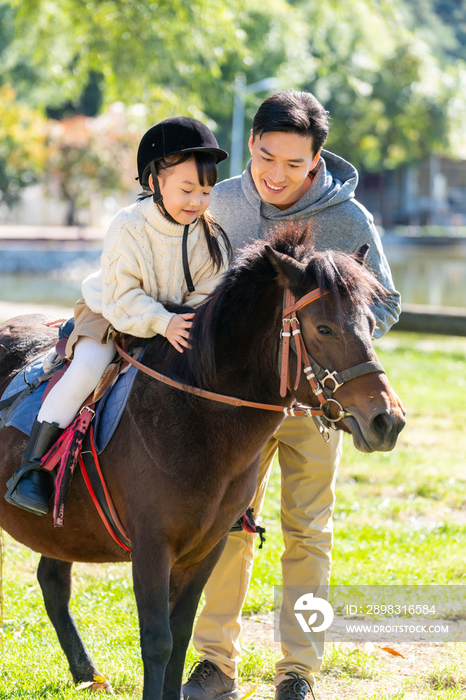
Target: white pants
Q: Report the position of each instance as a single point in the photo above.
(80, 379)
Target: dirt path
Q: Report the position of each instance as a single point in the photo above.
(366, 670)
(10, 309)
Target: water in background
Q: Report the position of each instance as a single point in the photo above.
(431, 273)
(39, 288)
(43, 275)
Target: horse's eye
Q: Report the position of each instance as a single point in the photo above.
(324, 330)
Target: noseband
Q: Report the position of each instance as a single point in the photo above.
(315, 374)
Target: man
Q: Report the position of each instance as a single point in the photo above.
(287, 179)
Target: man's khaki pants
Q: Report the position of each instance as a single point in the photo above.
(308, 467)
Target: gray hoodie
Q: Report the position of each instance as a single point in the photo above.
(339, 221)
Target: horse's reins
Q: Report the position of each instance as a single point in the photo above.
(296, 410)
(314, 373)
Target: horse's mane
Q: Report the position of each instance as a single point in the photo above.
(253, 274)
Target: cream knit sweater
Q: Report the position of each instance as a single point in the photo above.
(142, 269)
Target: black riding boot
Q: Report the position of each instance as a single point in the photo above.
(31, 487)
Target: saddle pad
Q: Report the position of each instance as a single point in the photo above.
(23, 416)
(108, 411)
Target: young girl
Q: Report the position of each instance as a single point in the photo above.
(164, 248)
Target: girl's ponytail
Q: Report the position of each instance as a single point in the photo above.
(213, 231)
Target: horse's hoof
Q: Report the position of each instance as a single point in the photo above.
(102, 688)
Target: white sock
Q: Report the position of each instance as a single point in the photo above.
(80, 379)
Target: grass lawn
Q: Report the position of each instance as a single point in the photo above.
(400, 518)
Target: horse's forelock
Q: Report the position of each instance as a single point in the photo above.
(342, 274)
(293, 239)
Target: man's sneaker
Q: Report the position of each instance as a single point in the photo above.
(296, 688)
(208, 682)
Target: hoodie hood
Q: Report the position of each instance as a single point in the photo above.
(337, 220)
(335, 181)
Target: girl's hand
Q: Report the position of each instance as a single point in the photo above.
(178, 331)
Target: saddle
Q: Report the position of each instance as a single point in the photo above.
(82, 442)
(23, 397)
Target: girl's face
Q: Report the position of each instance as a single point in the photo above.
(183, 196)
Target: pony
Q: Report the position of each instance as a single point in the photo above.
(181, 469)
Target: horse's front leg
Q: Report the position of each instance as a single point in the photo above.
(151, 576)
(54, 577)
(186, 587)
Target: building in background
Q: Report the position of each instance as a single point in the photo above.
(431, 193)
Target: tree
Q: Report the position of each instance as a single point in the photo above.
(392, 99)
(387, 95)
(23, 149)
(164, 54)
(174, 57)
(93, 155)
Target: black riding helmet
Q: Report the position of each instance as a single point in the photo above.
(172, 136)
(167, 138)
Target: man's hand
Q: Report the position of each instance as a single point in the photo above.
(178, 331)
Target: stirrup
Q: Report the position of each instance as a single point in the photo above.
(19, 473)
(31, 493)
(42, 437)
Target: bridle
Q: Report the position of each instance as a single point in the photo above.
(315, 374)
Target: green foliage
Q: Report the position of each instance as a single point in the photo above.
(258, 662)
(447, 675)
(381, 69)
(74, 157)
(171, 56)
(442, 23)
(23, 151)
(386, 93)
(349, 664)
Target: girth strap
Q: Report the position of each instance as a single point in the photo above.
(95, 482)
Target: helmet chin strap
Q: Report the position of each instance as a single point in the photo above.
(156, 194)
(157, 197)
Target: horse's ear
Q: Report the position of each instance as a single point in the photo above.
(360, 255)
(289, 271)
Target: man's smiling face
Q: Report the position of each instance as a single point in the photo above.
(280, 166)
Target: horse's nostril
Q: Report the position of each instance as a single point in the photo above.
(381, 424)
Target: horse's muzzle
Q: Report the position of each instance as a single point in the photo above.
(380, 433)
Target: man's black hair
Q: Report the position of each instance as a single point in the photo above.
(293, 111)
